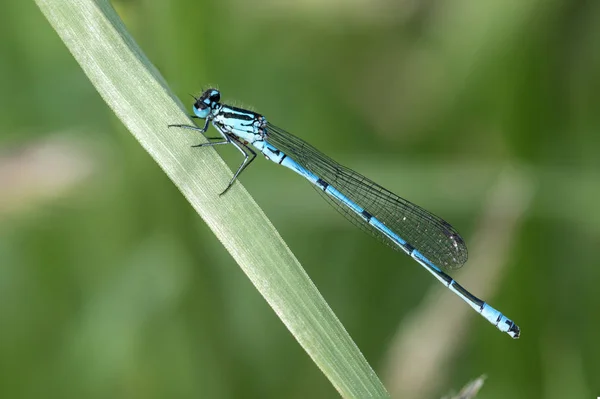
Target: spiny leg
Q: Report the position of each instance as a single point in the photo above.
(203, 130)
(196, 128)
(226, 140)
(210, 144)
(244, 164)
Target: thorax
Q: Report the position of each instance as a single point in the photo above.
(246, 125)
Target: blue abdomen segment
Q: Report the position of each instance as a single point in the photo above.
(277, 156)
(503, 323)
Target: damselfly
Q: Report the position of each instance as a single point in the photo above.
(426, 238)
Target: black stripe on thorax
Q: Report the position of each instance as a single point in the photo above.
(240, 113)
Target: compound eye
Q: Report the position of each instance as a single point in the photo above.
(201, 110)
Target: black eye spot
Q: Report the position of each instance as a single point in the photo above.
(215, 96)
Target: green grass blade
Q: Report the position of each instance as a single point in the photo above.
(140, 98)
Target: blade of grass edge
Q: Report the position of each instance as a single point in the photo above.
(140, 98)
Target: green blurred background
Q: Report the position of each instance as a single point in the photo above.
(485, 113)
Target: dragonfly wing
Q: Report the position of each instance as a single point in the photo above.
(436, 239)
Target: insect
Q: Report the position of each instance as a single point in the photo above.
(404, 226)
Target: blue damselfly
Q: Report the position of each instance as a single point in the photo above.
(426, 238)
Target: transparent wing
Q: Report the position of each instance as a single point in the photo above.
(432, 236)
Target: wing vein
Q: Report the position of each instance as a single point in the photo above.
(429, 234)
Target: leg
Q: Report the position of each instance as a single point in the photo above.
(202, 130)
(244, 164)
(196, 128)
(210, 144)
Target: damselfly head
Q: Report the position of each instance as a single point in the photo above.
(208, 101)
